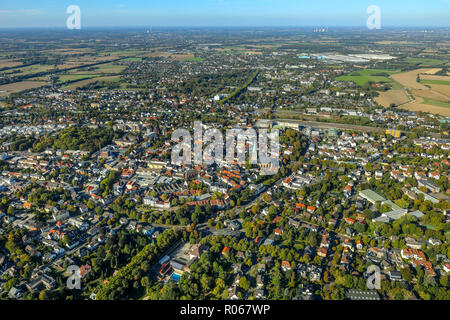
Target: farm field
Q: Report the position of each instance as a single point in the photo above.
(435, 78)
(104, 72)
(195, 59)
(432, 94)
(409, 79)
(182, 57)
(29, 70)
(423, 62)
(20, 86)
(71, 77)
(82, 83)
(9, 63)
(108, 68)
(424, 105)
(395, 96)
(436, 103)
(437, 83)
(441, 82)
(444, 89)
(125, 52)
(133, 59)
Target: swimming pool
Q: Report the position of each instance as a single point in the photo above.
(175, 276)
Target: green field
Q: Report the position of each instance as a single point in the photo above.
(29, 70)
(72, 77)
(424, 61)
(79, 83)
(132, 59)
(196, 59)
(443, 82)
(370, 75)
(108, 68)
(436, 103)
(125, 52)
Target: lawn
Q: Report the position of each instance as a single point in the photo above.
(29, 70)
(72, 77)
(370, 75)
(424, 61)
(125, 52)
(443, 82)
(195, 59)
(108, 68)
(132, 59)
(436, 103)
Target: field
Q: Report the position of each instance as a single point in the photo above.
(20, 86)
(84, 76)
(72, 77)
(439, 84)
(125, 52)
(442, 82)
(424, 105)
(195, 59)
(396, 96)
(101, 69)
(82, 83)
(436, 103)
(424, 62)
(158, 54)
(253, 52)
(436, 78)
(182, 57)
(9, 63)
(409, 79)
(133, 59)
(444, 89)
(29, 70)
(432, 94)
(398, 43)
(370, 75)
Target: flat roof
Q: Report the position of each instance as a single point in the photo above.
(371, 195)
(354, 294)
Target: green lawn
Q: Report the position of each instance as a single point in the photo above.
(436, 103)
(426, 81)
(425, 61)
(196, 59)
(29, 70)
(124, 52)
(108, 68)
(132, 59)
(370, 75)
(71, 77)
(73, 85)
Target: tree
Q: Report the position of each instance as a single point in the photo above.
(145, 282)
(325, 276)
(406, 274)
(244, 283)
(11, 211)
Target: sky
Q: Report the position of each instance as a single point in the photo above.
(177, 13)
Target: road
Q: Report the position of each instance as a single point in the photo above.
(332, 125)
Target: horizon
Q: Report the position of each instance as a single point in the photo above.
(191, 27)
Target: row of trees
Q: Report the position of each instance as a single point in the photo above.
(119, 286)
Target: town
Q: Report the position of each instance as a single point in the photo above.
(88, 181)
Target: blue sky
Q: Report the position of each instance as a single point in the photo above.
(95, 13)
